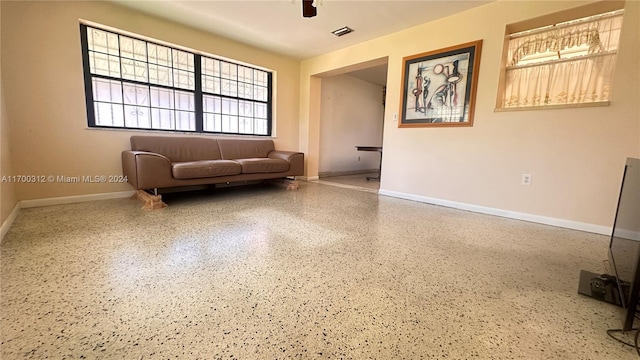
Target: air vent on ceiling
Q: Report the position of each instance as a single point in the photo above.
(342, 31)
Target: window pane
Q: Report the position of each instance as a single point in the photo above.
(212, 122)
(183, 79)
(230, 106)
(229, 88)
(260, 93)
(212, 104)
(246, 125)
(160, 55)
(185, 121)
(245, 108)
(245, 91)
(163, 119)
(211, 85)
(217, 119)
(261, 127)
(260, 78)
(162, 98)
(229, 124)
(184, 101)
(245, 74)
(160, 75)
(573, 82)
(133, 49)
(136, 116)
(107, 90)
(134, 70)
(108, 114)
(210, 66)
(183, 60)
(229, 71)
(101, 64)
(261, 111)
(102, 41)
(136, 94)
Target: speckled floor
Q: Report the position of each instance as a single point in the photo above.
(356, 182)
(319, 273)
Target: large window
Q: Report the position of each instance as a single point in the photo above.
(569, 63)
(138, 84)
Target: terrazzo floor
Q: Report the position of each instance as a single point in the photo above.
(319, 273)
(355, 182)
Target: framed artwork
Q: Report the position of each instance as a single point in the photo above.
(439, 87)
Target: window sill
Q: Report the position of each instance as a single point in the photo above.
(553, 107)
(174, 132)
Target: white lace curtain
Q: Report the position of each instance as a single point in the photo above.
(582, 79)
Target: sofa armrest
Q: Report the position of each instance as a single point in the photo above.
(295, 159)
(282, 155)
(146, 170)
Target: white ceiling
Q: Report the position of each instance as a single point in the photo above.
(278, 25)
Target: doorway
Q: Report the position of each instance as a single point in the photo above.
(352, 116)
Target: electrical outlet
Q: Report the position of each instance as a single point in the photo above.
(526, 179)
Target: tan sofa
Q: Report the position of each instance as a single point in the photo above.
(156, 162)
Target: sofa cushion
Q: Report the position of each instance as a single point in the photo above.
(178, 148)
(204, 169)
(231, 149)
(263, 165)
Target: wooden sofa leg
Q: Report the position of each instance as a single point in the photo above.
(150, 201)
(291, 184)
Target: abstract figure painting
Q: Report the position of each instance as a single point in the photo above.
(439, 87)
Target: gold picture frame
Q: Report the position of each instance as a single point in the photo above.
(439, 87)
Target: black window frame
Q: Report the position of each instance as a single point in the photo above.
(198, 92)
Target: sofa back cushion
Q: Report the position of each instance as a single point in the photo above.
(245, 149)
(178, 148)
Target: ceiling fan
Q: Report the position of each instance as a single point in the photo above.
(308, 9)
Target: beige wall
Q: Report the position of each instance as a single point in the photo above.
(42, 73)
(8, 199)
(7, 189)
(351, 114)
(576, 156)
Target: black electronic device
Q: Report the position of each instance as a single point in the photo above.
(624, 246)
(601, 287)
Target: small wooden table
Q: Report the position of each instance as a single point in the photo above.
(372, 148)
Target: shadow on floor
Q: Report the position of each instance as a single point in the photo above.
(356, 182)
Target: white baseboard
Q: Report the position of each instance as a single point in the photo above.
(628, 234)
(308, 178)
(9, 221)
(569, 224)
(563, 223)
(74, 199)
(346, 173)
